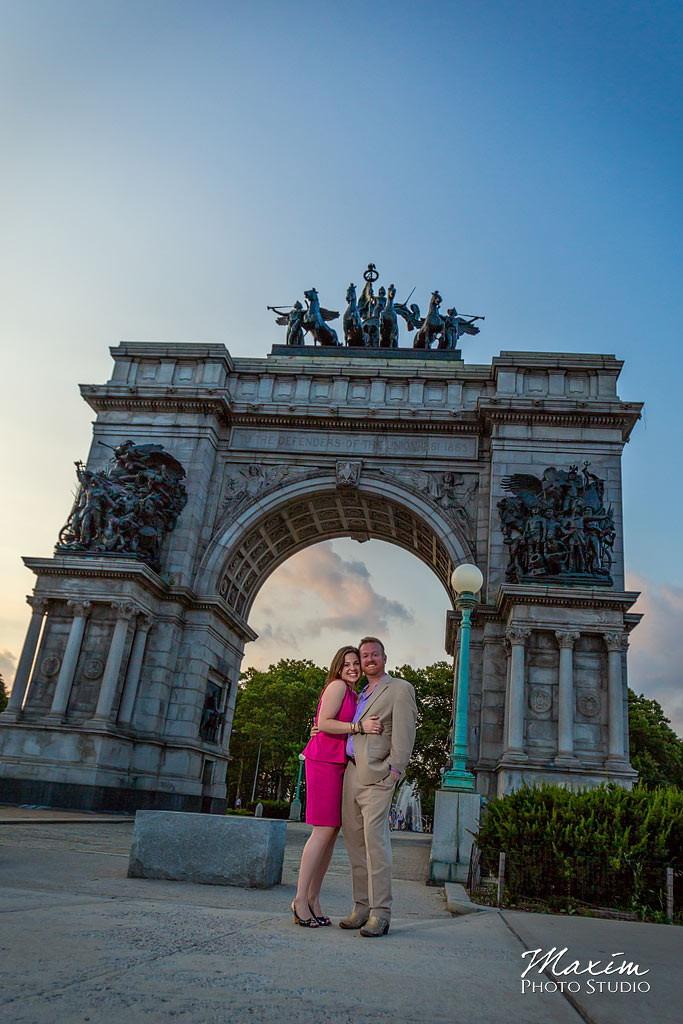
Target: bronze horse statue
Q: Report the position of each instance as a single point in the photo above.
(314, 320)
(388, 322)
(352, 323)
(433, 324)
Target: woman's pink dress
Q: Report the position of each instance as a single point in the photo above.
(325, 756)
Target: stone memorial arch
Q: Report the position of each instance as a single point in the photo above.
(206, 472)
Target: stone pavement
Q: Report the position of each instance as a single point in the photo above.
(81, 942)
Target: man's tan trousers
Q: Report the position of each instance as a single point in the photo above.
(365, 825)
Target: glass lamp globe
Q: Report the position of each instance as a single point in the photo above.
(467, 579)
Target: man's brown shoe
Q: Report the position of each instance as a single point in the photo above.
(354, 920)
(375, 927)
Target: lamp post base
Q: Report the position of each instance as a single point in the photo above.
(458, 780)
(456, 817)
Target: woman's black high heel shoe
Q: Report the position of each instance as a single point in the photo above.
(322, 920)
(310, 922)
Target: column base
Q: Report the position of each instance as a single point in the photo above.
(11, 716)
(101, 723)
(514, 756)
(566, 760)
(54, 718)
(617, 764)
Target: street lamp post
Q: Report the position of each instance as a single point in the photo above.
(457, 807)
(295, 806)
(467, 581)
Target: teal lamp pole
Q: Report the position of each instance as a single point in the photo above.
(466, 580)
(302, 761)
(295, 806)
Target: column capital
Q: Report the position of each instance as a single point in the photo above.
(616, 641)
(567, 637)
(81, 609)
(39, 604)
(518, 634)
(124, 609)
(145, 621)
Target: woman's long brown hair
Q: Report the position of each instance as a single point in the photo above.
(338, 662)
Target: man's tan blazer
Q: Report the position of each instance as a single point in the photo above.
(393, 700)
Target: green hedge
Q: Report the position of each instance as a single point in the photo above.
(271, 808)
(604, 846)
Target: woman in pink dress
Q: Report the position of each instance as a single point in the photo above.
(325, 763)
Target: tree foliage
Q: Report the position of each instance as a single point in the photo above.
(434, 695)
(276, 707)
(656, 750)
(3, 695)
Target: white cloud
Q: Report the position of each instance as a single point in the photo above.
(316, 602)
(8, 664)
(656, 651)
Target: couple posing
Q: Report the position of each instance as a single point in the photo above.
(359, 748)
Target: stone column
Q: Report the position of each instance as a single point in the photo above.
(565, 757)
(62, 693)
(130, 686)
(28, 653)
(514, 739)
(616, 643)
(124, 612)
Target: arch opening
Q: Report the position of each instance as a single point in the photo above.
(335, 592)
(275, 535)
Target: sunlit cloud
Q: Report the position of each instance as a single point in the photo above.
(345, 590)
(316, 602)
(656, 646)
(8, 664)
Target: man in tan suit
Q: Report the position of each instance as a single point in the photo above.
(376, 763)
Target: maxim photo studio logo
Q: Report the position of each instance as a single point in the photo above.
(554, 970)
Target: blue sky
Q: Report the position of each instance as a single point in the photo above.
(171, 168)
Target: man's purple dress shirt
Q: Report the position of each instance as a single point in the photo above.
(360, 708)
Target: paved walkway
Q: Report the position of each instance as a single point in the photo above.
(79, 941)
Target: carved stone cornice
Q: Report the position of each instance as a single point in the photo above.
(215, 401)
(511, 595)
(566, 638)
(80, 569)
(403, 421)
(589, 412)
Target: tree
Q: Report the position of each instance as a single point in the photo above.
(274, 709)
(3, 695)
(434, 694)
(656, 750)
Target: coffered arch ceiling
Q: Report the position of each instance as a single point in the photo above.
(310, 518)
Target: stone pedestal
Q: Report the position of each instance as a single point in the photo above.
(295, 810)
(456, 817)
(208, 849)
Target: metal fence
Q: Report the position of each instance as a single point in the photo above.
(537, 875)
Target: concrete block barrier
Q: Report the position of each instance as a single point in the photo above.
(207, 848)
